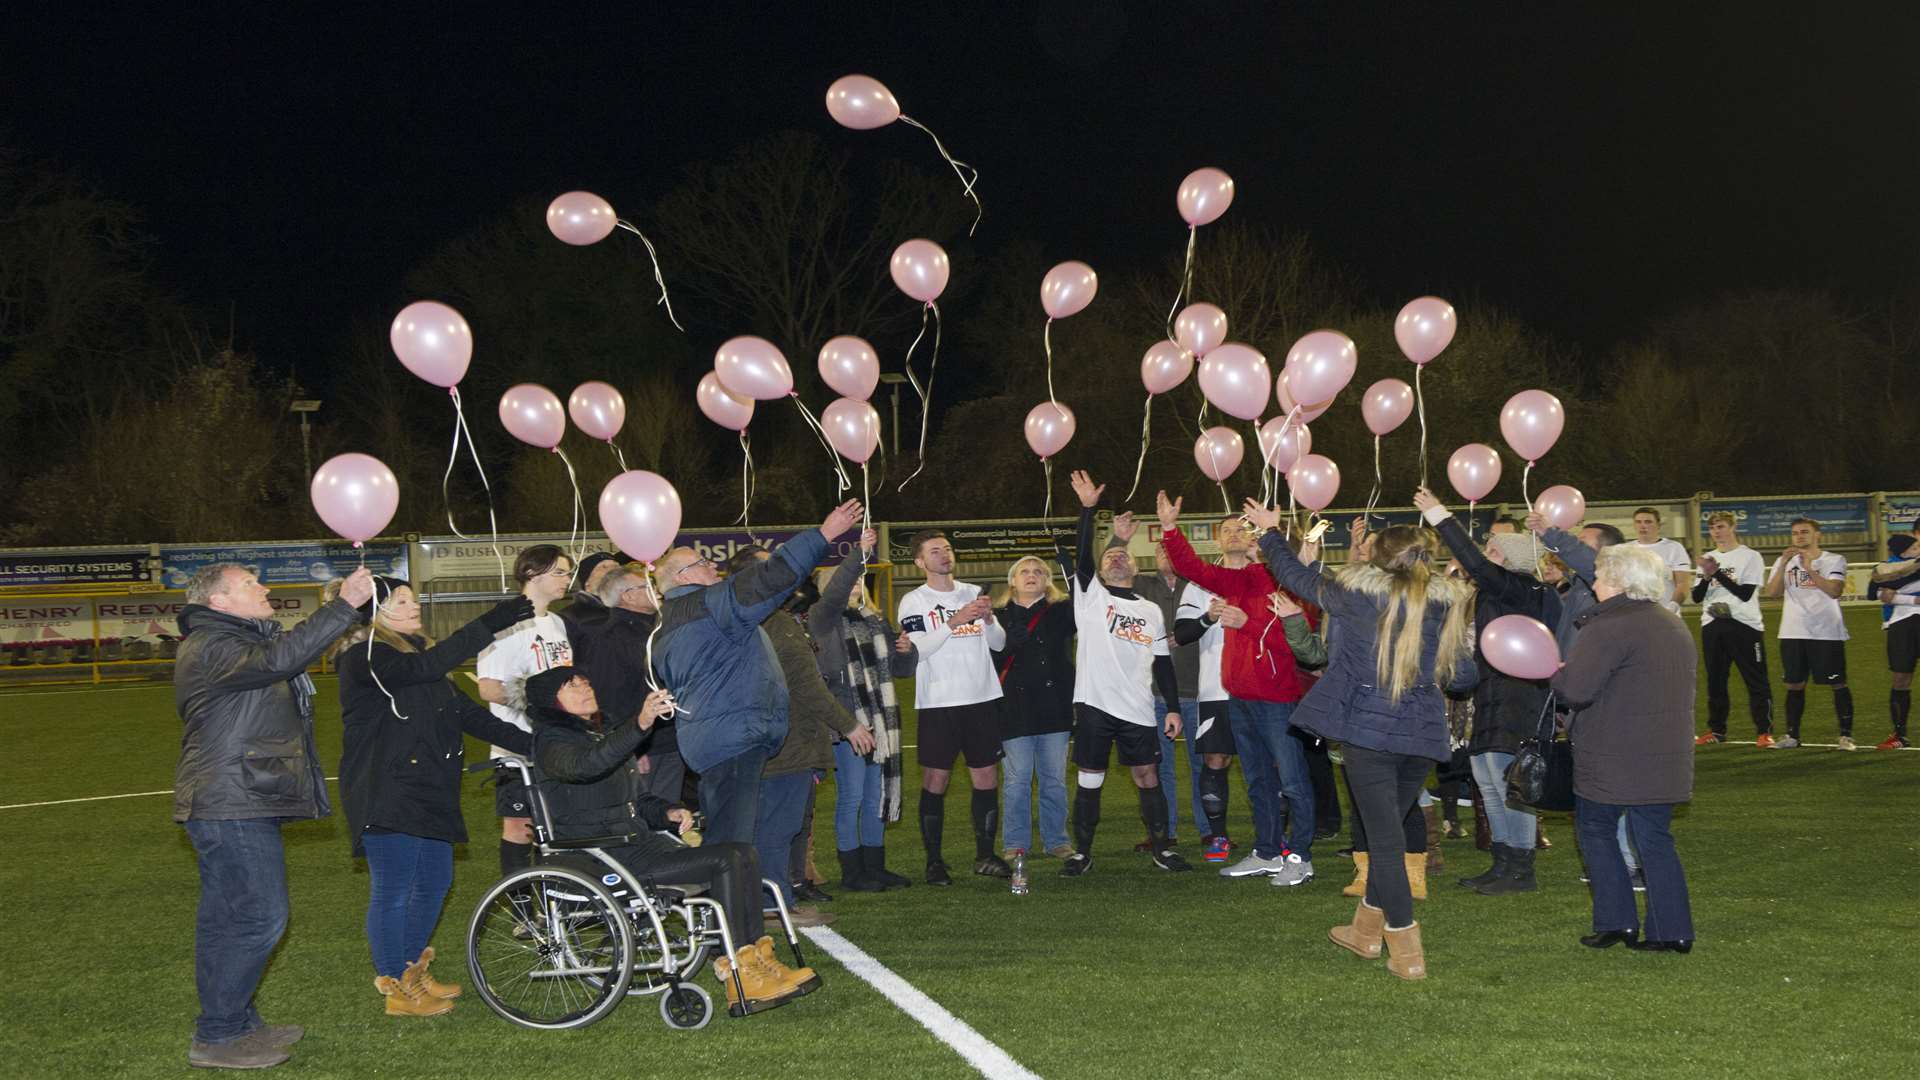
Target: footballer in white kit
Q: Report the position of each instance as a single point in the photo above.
(1813, 634)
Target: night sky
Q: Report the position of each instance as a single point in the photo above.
(1589, 170)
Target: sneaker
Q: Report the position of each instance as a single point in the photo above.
(1784, 742)
(1639, 880)
(1253, 866)
(281, 1035)
(1764, 742)
(993, 866)
(1845, 742)
(1064, 851)
(1293, 871)
(249, 1051)
(1219, 849)
(1169, 859)
(1076, 865)
(1708, 738)
(937, 874)
(1893, 742)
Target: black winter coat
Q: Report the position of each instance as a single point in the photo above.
(1036, 668)
(403, 775)
(616, 664)
(1505, 709)
(591, 780)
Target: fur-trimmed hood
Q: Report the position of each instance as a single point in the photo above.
(1371, 581)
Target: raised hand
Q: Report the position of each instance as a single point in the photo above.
(1168, 510)
(868, 538)
(1262, 517)
(358, 588)
(1124, 526)
(1424, 501)
(1536, 524)
(841, 519)
(1084, 487)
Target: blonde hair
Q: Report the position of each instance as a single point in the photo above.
(1405, 554)
(380, 631)
(823, 574)
(1003, 594)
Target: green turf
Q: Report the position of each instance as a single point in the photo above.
(1804, 873)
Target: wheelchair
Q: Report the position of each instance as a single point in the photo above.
(558, 945)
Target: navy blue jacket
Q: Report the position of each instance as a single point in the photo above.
(720, 665)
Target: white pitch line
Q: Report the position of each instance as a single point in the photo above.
(991, 1061)
(95, 798)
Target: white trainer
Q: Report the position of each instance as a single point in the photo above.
(1254, 866)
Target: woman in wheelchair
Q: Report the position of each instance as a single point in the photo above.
(592, 787)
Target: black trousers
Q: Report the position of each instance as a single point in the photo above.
(1385, 787)
(1732, 643)
(1326, 793)
(1413, 828)
(730, 871)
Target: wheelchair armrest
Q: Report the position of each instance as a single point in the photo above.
(589, 842)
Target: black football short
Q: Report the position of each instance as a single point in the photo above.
(1826, 661)
(971, 732)
(1214, 733)
(1903, 645)
(1097, 734)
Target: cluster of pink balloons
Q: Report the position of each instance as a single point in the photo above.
(1284, 441)
(849, 366)
(641, 512)
(356, 495)
(1218, 451)
(1319, 366)
(1521, 646)
(721, 406)
(1235, 378)
(581, 218)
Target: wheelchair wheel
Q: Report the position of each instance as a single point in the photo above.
(549, 948)
(686, 1007)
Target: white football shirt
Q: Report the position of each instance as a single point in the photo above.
(524, 650)
(1113, 660)
(1745, 566)
(956, 663)
(1674, 554)
(1193, 605)
(1809, 614)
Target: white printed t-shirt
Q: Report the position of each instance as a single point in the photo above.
(1674, 554)
(524, 650)
(1193, 605)
(1809, 614)
(1113, 660)
(1903, 611)
(956, 663)
(1743, 566)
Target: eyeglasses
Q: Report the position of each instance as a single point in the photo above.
(694, 563)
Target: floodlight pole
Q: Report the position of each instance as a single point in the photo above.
(306, 408)
(896, 381)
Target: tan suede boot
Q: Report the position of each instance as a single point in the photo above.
(1358, 886)
(761, 986)
(1405, 956)
(800, 977)
(1417, 874)
(1362, 935)
(404, 1000)
(416, 973)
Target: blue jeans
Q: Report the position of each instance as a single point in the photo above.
(1169, 772)
(409, 878)
(859, 786)
(1513, 826)
(1274, 765)
(1669, 913)
(1626, 847)
(1026, 756)
(730, 797)
(243, 912)
(782, 809)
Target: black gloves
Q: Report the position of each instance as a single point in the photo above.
(506, 613)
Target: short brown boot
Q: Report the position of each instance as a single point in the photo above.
(1405, 956)
(1417, 874)
(1435, 860)
(405, 1000)
(1358, 886)
(761, 986)
(799, 978)
(416, 973)
(1362, 935)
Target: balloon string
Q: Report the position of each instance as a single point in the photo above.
(840, 478)
(1266, 474)
(1379, 483)
(926, 392)
(459, 429)
(1224, 500)
(1528, 499)
(659, 616)
(1146, 432)
(373, 624)
(618, 455)
(1186, 283)
(866, 506)
(969, 176)
(1420, 400)
(1046, 466)
(658, 279)
(746, 484)
(1046, 337)
(574, 543)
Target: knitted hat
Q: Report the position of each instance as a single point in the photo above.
(584, 572)
(543, 690)
(1898, 545)
(1518, 552)
(383, 588)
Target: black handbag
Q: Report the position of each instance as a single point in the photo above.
(1541, 775)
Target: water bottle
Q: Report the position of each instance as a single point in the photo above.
(1020, 872)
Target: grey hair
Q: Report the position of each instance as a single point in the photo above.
(209, 581)
(1635, 571)
(614, 584)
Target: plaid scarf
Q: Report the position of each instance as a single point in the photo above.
(870, 674)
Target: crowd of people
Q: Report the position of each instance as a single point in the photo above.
(738, 689)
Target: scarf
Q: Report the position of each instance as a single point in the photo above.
(870, 674)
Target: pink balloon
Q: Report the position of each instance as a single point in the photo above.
(1313, 480)
(853, 428)
(1283, 443)
(1204, 195)
(532, 414)
(1068, 289)
(722, 407)
(861, 103)
(1049, 428)
(1562, 506)
(641, 512)
(597, 409)
(1531, 423)
(1322, 364)
(1386, 405)
(356, 495)
(753, 367)
(1200, 328)
(1165, 366)
(850, 367)
(1521, 646)
(580, 218)
(919, 268)
(1234, 377)
(1473, 470)
(1218, 451)
(433, 341)
(1283, 392)
(1424, 328)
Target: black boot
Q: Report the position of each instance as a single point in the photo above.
(1517, 879)
(854, 876)
(877, 872)
(1495, 872)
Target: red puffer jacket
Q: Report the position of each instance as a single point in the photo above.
(1255, 662)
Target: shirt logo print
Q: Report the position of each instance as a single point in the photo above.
(1128, 628)
(941, 614)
